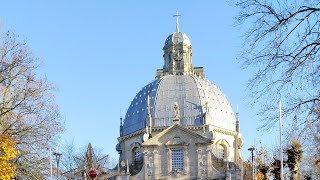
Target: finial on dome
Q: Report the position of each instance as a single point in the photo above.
(121, 126)
(237, 113)
(237, 120)
(177, 21)
(148, 105)
(120, 117)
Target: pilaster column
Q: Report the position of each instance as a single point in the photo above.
(156, 163)
(145, 162)
(169, 160)
(209, 162)
(186, 161)
(199, 151)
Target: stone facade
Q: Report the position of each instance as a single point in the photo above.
(200, 154)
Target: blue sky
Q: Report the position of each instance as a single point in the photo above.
(101, 53)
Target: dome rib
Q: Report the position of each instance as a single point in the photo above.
(190, 92)
(155, 100)
(194, 78)
(135, 118)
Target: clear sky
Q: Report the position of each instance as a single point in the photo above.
(101, 53)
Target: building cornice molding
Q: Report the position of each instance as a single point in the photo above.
(212, 128)
(122, 138)
(223, 131)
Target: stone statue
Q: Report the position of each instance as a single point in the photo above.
(207, 107)
(176, 111)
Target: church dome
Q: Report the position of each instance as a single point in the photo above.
(194, 95)
(177, 38)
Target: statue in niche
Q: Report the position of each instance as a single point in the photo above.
(176, 111)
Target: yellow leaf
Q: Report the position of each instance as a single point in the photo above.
(7, 153)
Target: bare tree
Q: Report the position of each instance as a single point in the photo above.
(262, 160)
(282, 41)
(247, 170)
(69, 152)
(275, 169)
(28, 113)
(311, 161)
(294, 153)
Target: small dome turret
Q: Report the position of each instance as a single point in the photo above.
(177, 38)
(177, 54)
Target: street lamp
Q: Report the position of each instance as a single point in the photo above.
(58, 156)
(252, 149)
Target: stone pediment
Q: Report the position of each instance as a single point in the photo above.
(176, 135)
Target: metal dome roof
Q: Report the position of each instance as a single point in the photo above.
(177, 38)
(191, 92)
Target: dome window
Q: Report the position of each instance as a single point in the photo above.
(135, 154)
(221, 152)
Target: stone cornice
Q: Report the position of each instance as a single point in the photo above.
(223, 131)
(142, 131)
(213, 128)
(188, 127)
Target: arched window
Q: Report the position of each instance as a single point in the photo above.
(136, 154)
(221, 151)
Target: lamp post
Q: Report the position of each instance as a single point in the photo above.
(252, 159)
(58, 156)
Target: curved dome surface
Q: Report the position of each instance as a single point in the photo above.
(177, 38)
(193, 94)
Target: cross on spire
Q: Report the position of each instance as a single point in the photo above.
(177, 21)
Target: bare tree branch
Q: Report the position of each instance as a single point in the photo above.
(28, 113)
